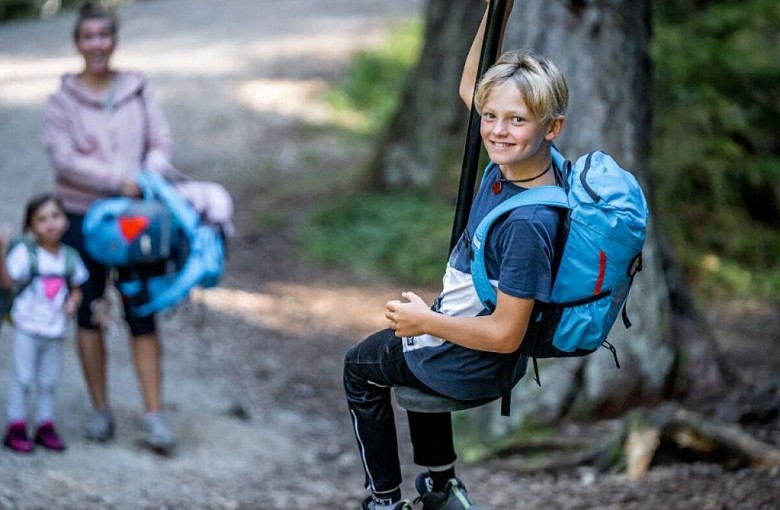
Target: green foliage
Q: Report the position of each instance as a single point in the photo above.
(475, 443)
(26, 9)
(716, 159)
(404, 236)
(371, 85)
(716, 154)
(18, 9)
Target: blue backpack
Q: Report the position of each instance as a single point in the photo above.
(159, 239)
(597, 256)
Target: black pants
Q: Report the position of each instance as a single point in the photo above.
(371, 368)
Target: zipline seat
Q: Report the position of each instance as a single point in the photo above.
(419, 401)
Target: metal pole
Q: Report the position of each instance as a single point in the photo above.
(468, 174)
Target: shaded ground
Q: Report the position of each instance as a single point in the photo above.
(253, 367)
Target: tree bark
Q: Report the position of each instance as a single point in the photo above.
(422, 146)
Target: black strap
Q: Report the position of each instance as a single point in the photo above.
(507, 371)
(633, 268)
(506, 381)
(536, 373)
(626, 322)
(611, 348)
(506, 386)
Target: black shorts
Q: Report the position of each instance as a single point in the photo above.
(95, 287)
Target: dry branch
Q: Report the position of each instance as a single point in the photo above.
(643, 433)
(690, 427)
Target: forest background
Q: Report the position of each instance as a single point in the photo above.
(715, 156)
(714, 183)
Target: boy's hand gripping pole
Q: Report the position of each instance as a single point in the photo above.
(468, 175)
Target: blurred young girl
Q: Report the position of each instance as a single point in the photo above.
(47, 275)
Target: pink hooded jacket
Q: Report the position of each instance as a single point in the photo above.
(96, 143)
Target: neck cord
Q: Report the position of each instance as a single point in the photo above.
(499, 184)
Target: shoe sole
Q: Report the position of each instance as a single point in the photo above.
(161, 450)
(99, 438)
(51, 449)
(108, 435)
(15, 450)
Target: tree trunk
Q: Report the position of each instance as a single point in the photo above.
(602, 48)
(422, 146)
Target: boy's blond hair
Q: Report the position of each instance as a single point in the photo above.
(539, 81)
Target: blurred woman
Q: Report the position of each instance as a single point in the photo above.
(101, 127)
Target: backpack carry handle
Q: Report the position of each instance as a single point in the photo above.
(155, 186)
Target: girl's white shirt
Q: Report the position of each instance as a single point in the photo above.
(39, 308)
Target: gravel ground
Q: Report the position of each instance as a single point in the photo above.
(253, 367)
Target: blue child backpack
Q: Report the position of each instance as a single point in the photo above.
(599, 252)
(161, 231)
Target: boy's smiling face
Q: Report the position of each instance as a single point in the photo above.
(512, 136)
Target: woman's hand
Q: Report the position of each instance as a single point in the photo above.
(407, 317)
(130, 189)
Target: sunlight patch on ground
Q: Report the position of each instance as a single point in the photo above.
(303, 309)
(314, 47)
(28, 92)
(26, 82)
(300, 99)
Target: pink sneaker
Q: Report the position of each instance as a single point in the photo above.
(47, 437)
(16, 438)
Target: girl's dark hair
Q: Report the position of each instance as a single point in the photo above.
(36, 203)
(94, 10)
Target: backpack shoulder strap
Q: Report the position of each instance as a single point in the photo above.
(70, 262)
(32, 252)
(549, 195)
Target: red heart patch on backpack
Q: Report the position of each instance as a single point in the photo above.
(132, 226)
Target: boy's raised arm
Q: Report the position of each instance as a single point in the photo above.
(468, 80)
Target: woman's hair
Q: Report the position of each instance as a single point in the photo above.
(36, 203)
(94, 10)
(539, 81)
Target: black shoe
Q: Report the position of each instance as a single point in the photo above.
(368, 504)
(454, 496)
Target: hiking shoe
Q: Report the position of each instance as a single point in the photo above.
(158, 434)
(423, 483)
(101, 426)
(16, 438)
(454, 496)
(368, 504)
(47, 437)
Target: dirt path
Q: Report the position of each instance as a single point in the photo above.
(253, 367)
